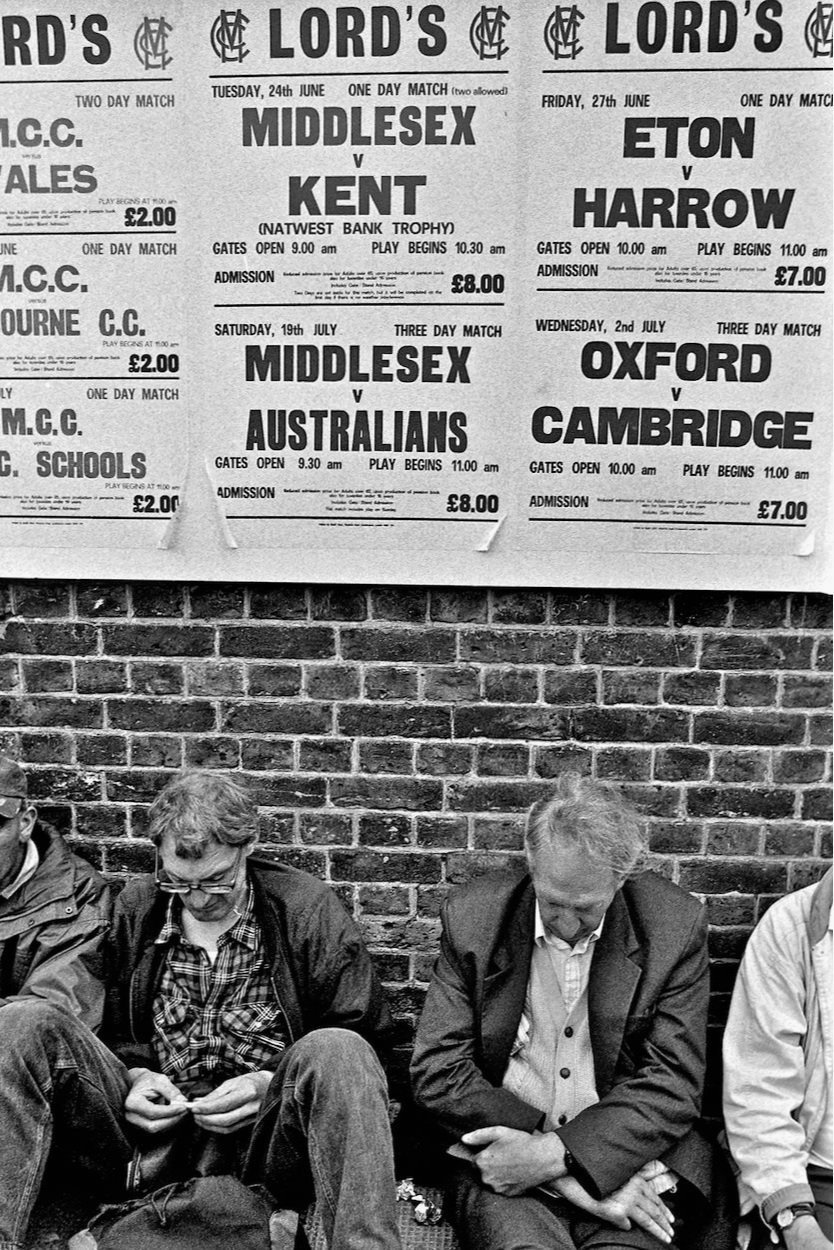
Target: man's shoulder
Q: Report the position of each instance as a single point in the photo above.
(297, 894)
(483, 903)
(657, 902)
(61, 864)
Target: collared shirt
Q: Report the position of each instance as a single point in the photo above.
(216, 1020)
(822, 1147)
(30, 865)
(552, 1065)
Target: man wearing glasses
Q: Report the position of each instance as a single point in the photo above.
(242, 1017)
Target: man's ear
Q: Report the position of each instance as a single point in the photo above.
(27, 823)
(248, 848)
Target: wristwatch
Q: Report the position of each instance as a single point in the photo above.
(786, 1218)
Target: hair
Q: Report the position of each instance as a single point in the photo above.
(593, 816)
(197, 808)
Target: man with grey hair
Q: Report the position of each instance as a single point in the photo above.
(242, 1019)
(561, 1049)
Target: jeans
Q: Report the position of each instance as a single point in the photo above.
(322, 1133)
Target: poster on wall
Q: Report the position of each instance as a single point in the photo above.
(415, 292)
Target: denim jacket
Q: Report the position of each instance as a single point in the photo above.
(777, 1051)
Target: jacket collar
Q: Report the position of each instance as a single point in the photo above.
(820, 913)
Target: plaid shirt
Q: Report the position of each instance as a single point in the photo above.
(215, 1021)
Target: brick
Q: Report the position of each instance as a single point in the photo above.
(278, 642)
(754, 651)
(823, 655)
(519, 607)
(816, 804)
(503, 834)
(273, 755)
(750, 690)
(216, 602)
(736, 801)
(748, 728)
(723, 977)
(385, 681)
(807, 873)
(399, 603)
(691, 688)
(658, 649)
(101, 821)
(384, 900)
(185, 715)
(6, 607)
(377, 829)
(451, 684)
(733, 838)
(99, 599)
(338, 603)
(741, 766)
(386, 721)
(570, 686)
(731, 909)
(490, 721)
(430, 899)
(286, 790)
(550, 761)
(789, 841)
(609, 725)
(279, 603)
(156, 751)
(646, 608)
(806, 691)
(332, 681)
(314, 862)
(494, 796)
(392, 645)
(135, 785)
(49, 711)
(441, 831)
(51, 638)
(517, 646)
(580, 609)
(799, 766)
(659, 801)
(158, 600)
(100, 677)
(727, 943)
(129, 857)
(819, 731)
(681, 764)
(742, 876)
(390, 967)
(676, 837)
(47, 748)
(101, 749)
(276, 718)
(63, 785)
(324, 755)
(45, 676)
(510, 685)
(10, 678)
(277, 681)
(362, 865)
(624, 764)
(443, 759)
(167, 640)
(212, 752)
(630, 687)
(214, 679)
(386, 793)
(326, 828)
(275, 828)
(503, 760)
(458, 606)
(59, 815)
(759, 611)
(825, 846)
(157, 678)
(40, 599)
(810, 612)
(463, 866)
(379, 755)
(698, 610)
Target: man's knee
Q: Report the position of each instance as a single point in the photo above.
(336, 1053)
(33, 1022)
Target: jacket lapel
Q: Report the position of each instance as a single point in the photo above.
(615, 973)
(505, 985)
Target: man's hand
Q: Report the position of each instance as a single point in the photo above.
(234, 1104)
(805, 1234)
(153, 1102)
(513, 1161)
(636, 1202)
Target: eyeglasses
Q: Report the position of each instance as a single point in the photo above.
(167, 886)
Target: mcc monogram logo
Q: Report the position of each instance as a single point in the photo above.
(227, 35)
(151, 43)
(561, 32)
(486, 34)
(818, 30)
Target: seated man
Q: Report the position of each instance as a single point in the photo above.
(561, 1047)
(240, 1001)
(777, 1072)
(54, 912)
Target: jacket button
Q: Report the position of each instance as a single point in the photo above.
(564, 1073)
(563, 1119)
(568, 1032)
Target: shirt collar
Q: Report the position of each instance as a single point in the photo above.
(542, 937)
(243, 930)
(30, 865)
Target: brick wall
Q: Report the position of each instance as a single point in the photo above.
(395, 737)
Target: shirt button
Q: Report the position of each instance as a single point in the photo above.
(563, 1119)
(568, 1032)
(564, 1073)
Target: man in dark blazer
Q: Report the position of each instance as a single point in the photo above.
(562, 1045)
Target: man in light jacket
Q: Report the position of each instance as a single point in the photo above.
(778, 1074)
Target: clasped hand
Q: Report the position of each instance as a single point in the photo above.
(154, 1103)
